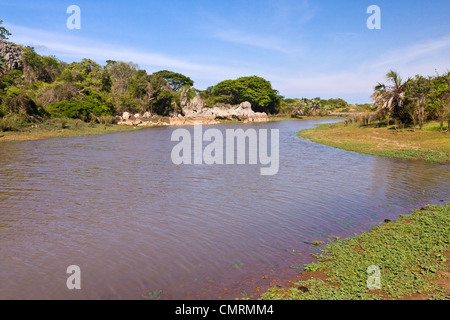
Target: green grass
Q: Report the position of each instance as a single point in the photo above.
(411, 252)
(429, 144)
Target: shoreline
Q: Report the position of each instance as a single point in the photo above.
(52, 133)
(74, 128)
(428, 145)
(411, 253)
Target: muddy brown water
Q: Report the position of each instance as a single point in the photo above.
(116, 206)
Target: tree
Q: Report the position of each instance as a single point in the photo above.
(417, 90)
(121, 73)
(137, 85)
(254, 89)
(162, 104)
(159, 97)
(88, 73)
(40, 68)
(336, 103)
(440, 98)
(176, 80)
(4, 34)
(308, 107)
(389, 99)
(315, 105)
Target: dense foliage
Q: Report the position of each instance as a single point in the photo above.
(414, 101)
(45, 88)
(176, 80)
(254, 89)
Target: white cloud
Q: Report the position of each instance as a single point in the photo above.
(74, 47)
(420, 53)
(421, 58)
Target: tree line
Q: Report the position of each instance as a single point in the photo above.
(413, 101)
(44, 87)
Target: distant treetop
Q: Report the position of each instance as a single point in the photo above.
(3, 32)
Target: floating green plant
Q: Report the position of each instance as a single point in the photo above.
(153, 295)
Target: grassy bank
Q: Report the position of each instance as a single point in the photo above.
(61, 128)
(275, 118)
(412, 253)
(429, 144)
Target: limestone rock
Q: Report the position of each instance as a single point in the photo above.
(194, 108)
(126, 116)
(12, 54)
(242, 112)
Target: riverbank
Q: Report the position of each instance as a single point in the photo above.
(429, 144)
(412, 255)
(65, 128)
(289, 118)
(61, 129)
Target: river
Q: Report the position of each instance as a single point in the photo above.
(116, 206)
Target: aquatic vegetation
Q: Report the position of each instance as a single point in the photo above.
(236, 266)
(153, 295)
(412, 254)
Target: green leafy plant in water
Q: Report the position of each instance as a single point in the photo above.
(236, 266)
(297, 267)
(153, 295)
(409, 252)
(313, 267)
(245, 296)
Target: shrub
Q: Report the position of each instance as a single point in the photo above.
(59, 92)
(19, 103)
(106, 120)
(81, 107)
(13, 122)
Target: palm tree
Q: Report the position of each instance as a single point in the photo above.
(315, 105)
(389, 99)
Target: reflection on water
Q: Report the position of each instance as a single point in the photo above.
(116, 206)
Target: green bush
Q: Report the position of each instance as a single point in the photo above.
(81, 107)
(19, 102)
(13, 122)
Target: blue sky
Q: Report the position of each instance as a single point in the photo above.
(305, 48)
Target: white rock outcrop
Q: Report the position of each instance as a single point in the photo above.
(242, 112)
(12, 54)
